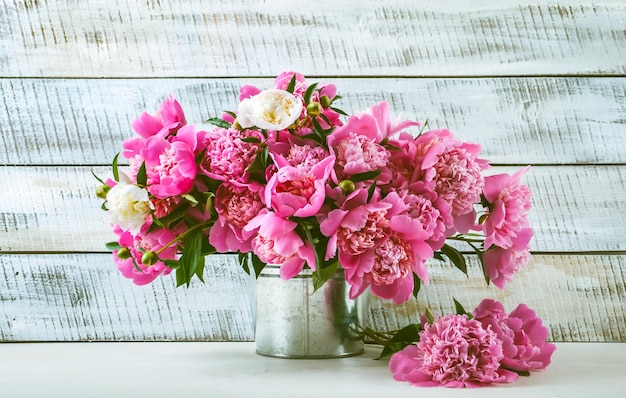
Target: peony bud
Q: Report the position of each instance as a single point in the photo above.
(314, 108)
(347, 186)
(325, 101)
(123, 253)
(102, 191)
(149, 258)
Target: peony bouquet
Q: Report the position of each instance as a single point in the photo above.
(291, 180)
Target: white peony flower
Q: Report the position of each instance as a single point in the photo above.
(128, 206)
(271, 109)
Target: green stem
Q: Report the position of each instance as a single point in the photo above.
(379, 338)
(181, 236)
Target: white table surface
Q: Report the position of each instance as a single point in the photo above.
(234, 370)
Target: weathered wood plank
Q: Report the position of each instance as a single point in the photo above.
(82, 297)
(577, 208)
(579, 297)
(121, 38)
(528, 120)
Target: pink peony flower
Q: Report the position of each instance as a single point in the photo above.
(163, 207)
(171, 166)
(522, 333)
(248, 91)
(509, 203)
(227, 156)
(236, 204)
(387, 128)
(432, 212)
(375, 124)
(454, 351)
(305, 157)
(293, 191)
(404, 164)
(132, 267)
(167, 120)
(357, 144)
(377, 245)
(456, 170)
(277, 243)
(501, 264)
(282, 82)
(358, 154)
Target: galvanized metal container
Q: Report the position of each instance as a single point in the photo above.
(292, 321)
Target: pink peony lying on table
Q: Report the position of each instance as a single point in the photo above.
(522, 333)
(453, 351)
(462, 350)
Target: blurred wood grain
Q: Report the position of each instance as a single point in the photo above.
(516, 120)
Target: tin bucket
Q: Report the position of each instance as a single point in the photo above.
(293, 321)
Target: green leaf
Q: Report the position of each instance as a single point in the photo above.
(292, 84)
(136, 266)
(243, 262)
(423, 128)
(200, 269)
(417, 284)
(191, 199)
(233, 114)
(438, 256)
(404, 337)
(456, 257)
(319, 131)
(113, 246)
(368, 175)
(173, 264)
(310, 136)
(322, 275)
(390, 147)
(339, 111)
(257, 264)
(326, 119)
(219, 122)
(430, 318)
(309, 92)
(479, 254)
(176, 215)
(484, 202)
(116, 172)
(459, 307)
(97, 178)
(181, 276)
(258, 166)
(370, 191)
(251, 140)
(142, 176)
(191, 254)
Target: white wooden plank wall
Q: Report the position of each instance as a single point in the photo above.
(538, 83)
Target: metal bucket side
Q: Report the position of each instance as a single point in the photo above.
(292, 321)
